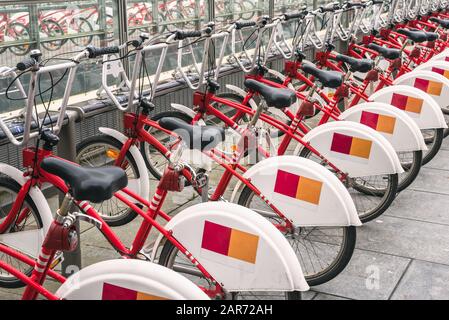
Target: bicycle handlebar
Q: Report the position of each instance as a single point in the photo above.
(244, 24)
(301, 15)
(184, 34)
(26, 64)
(28, 110)
(330, 8)
(349, 5)
(95, 52)
(181, 34)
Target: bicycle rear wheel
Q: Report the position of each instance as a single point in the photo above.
(323, 252)
(411, 163)
(434, 139)
(372, 195)
(172, 258)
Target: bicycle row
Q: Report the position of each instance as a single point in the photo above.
(363, 123)
(84, 20)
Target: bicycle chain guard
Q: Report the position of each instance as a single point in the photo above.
(172, 180)
(307, 108)
(416, 52)
(61, 238)
(372, 75)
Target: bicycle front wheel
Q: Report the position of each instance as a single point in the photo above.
(18, 31)
(51, 29)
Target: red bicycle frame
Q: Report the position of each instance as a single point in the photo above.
(32, 159)
(135, 129)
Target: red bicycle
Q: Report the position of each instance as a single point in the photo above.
(110, 280)
(178, 249)
(372, 195)
(330, 104)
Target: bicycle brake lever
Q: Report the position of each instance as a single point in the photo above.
(84, 217)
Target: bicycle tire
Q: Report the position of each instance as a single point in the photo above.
(20, 50)
(436, 145)
(89, 39)
(387, 196)
(339, 263)
(144, 145)
(56, 44)
(165, 259)
(406, 179)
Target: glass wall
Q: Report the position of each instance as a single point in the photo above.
(57, 30)
(227, 11)
(60, 28)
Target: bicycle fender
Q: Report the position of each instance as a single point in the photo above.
(442, 56)
(128, 279)
(187, 111)
(25, 241)
(434, 64)
(265, 263)
(427, 116)
(354, 148)
(440, 67)
(283, 181)
(140, 186)
(437, 86)
(394, 124)
(277, 74)
(242, 93)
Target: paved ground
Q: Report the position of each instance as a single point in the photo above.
(402, 255)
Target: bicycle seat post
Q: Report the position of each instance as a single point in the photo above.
(64, 208)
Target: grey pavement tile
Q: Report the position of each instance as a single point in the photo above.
(125, 233)
(406, 238)
(323, 296)
(445, 144)
(93, 254)
(432, 180)
(9, 294)
(424, 281)
(369, 275)
(308, 295)
(420, 205)
(440, 161)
